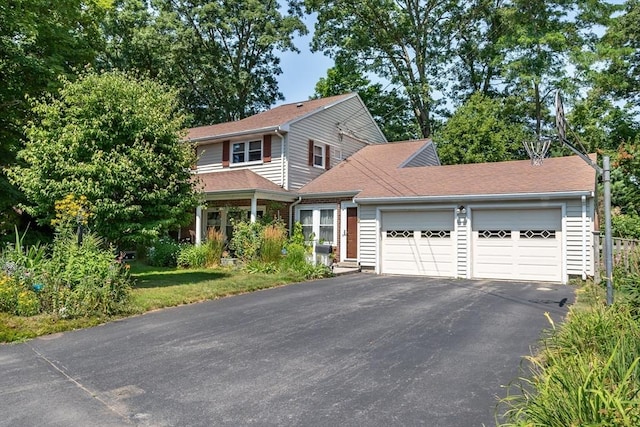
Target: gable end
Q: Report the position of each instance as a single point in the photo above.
(425, 156)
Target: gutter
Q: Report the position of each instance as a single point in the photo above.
(331, 195)
(291, 214)
(282, 182)
(232, 134)
(473, 197)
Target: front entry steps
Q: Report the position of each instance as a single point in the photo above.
(346, 267)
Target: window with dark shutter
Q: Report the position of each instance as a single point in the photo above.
(311, 152)
(327, 157)
(266, 148)
(225, 154)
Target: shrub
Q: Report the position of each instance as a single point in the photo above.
(9, 291)
(246, 240)
(296, 257)
(163, 253)
(273, 240)
(84, 279)
(193, 256)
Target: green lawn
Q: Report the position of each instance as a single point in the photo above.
(154, 288)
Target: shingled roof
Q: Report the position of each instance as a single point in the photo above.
(237, 180)
(272, 119)
(374, 173)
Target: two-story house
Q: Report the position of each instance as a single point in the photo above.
(391, 207)
(254, 166)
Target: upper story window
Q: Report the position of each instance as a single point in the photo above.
(249, 151)
(318, 155)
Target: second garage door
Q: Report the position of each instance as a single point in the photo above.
(418, 243)
(517, 244)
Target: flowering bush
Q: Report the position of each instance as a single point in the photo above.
(76, 280)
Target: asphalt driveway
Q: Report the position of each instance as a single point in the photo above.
(359, 350)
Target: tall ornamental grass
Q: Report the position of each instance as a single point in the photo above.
(587, 374)
(274, 237)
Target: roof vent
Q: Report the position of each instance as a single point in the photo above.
(300, 104)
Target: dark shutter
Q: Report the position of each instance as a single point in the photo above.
(225, 154)
(266, 148)
(327, 157)
(311, 152)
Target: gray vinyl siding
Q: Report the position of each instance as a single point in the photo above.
(425, 157)
(210, 159)
(368, 230)
(574, 238)
(325, 127)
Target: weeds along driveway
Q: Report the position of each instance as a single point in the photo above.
(359, 350)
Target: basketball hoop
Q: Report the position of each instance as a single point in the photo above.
(561, 123)
(537, 150)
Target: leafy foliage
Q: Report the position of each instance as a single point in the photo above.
(221, 56)
(247, 239)
(618, 53)
(163, 253)
(482, 130)
(85, 279)
(73, 281)
(193, 256)
(36, 47)
(116, 140)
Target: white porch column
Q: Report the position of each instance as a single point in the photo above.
(254, 208)
(198, 225)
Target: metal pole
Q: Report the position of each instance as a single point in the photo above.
(608, 241)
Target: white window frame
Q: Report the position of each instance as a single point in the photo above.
(316, 220)
(323, 150)
(246, 152)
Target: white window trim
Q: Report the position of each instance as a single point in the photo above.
(246, 143)
(316, 219)
(343, 230)
(323, 147)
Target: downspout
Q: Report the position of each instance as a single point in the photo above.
(283, 184)
(291, 214)
(584, 237)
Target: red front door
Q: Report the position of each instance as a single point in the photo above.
(352, 233)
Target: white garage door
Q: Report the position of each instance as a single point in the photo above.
(418, 243)
(517, 244)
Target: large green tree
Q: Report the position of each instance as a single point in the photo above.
(404, 41)
(541, 40)
(618, 54)
(483, 129)
(115, 140)
(222, 56)
(40, 40)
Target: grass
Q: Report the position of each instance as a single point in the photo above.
(587, 372)
(154, 288)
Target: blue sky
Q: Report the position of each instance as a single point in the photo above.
(301, 71)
